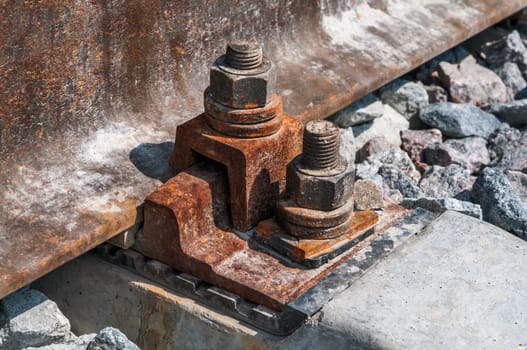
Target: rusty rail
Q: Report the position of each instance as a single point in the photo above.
(91, 92)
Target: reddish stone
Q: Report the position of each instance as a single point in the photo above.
(414, 141)
(470, 152)
(470, 82)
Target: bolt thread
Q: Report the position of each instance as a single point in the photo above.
(321, 145)
(244, 55)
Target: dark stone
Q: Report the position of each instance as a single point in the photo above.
(513, 79)
(470, 152)
(111, 339)
(445, 182)
(459, 120)
(509, 48)
(521, 27)
(500, 204)
(514, 113)
(501, 140)
(396, 179)
(470, 82)
(414, 141)
(405, 97)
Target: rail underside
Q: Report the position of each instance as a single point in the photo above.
(91, 93)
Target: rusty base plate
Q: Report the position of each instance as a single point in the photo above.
(186, 227)
(294, 314)
(313, 253)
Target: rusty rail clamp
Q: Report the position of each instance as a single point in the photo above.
(231, 164)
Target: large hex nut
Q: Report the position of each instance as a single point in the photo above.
(242, 89)
(320, 191)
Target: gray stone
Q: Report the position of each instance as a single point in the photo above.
(396, 179)
(111, 339)
(500, 204)
(446, 182)
(470, 152)
(507, 49)
(514, 113)
(459, 120)
(436, 93)
(515, 157)
(389, 126)
(502, 140)
(31, 319)
(405, 97)
(347, 145)
(470, 82)
(367, 195)
(398, 158)
(414, 141)
(512, 78)
(372, 148)
(393, 157)
(364, 110)
(367, 169)
(80, 343)
(440, 205)
(519, 184)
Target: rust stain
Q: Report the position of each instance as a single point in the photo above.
(361, 221)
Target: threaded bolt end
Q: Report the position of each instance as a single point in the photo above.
(244, 55)
(321, 145)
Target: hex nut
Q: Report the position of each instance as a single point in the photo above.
(320, 192)
(242, 89)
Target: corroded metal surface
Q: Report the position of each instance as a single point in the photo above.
(185, 229)
(256, 167)
(313, 252)
(91, 92)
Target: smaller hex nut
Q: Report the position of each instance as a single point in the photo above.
(326, 192)
(242, 89)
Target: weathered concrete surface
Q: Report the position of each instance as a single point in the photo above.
(460, 284)
(94, 294)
